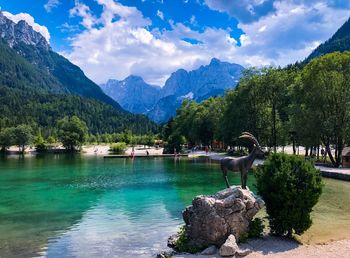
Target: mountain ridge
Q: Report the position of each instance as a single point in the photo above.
(198, 84)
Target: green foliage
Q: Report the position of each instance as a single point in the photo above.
(290, 187)
(40, 143)
(72, 132)
(182, 245)
(256, 228)
(44, 109)
(321, 110)
(6, 138)
(22, 136)
(118, 148)
(243, 238)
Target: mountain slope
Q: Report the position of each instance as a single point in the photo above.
(133, 94)
(33, 47)
(340, 41)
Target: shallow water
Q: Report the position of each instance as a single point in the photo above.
(76, 206)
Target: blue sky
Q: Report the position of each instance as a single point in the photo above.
(153, 38)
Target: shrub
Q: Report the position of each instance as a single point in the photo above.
(181, 244)
(118, 148)
(40, 143)
(290, 187)
(256, 228)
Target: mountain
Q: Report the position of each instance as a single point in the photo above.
(133, 94)
(38, 87)
(340, 41)
(33, 47)
(206, 79)
(160, 104)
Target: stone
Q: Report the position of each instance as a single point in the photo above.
(230, 247)
(243, 252)
(210, 250)
(165, 255)
(211, 219)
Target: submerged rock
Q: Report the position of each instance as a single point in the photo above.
(210, 220)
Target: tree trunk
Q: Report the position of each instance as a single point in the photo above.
(330, 155)
(339, 152)
(274, 138)
(294, 150)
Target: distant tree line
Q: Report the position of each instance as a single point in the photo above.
(308, 106)
(71, 132)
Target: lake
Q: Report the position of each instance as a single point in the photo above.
(79, 206)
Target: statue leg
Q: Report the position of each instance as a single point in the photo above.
(244, 179)
(224, 171)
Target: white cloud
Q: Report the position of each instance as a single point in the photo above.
(51, 4)
(291, 33)
(30, 20)
(115, 48)
(160, 14)
(245, 11)
(125, 46)
(193, 20)
(83, 11)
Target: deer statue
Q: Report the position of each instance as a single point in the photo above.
(242, 164)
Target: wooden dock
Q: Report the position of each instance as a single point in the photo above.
(144, 156)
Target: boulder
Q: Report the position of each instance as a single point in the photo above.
(230, 247)
(210, 250)
(210, 220)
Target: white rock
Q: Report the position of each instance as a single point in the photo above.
(230, 247)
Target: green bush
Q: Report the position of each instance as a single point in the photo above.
(182, 245)
(290, 187)
(118, 148)
(40, 143)
(256, 228)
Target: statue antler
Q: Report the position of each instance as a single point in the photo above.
(249, 136)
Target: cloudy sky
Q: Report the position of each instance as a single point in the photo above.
(153, 38)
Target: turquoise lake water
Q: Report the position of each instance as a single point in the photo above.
(78, 206)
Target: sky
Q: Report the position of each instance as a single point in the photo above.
(112, 39)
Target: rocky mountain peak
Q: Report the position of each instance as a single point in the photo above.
(215, 61)
(21, 32)
(134, 78)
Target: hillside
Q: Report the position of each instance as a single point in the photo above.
(340, 41)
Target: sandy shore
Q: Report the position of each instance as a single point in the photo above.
(275, 247)
(101, 149)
